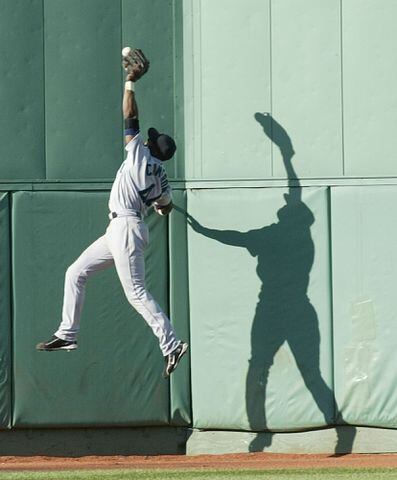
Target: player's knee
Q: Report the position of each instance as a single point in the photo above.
(75, 275)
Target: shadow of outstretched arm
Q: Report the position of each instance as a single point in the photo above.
(228, 237)
(280, 137)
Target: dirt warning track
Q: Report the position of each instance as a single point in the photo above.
(229, 461)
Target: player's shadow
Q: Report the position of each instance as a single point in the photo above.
(285, 251)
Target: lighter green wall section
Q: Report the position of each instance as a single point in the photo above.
(306, 83)
(369, 86)
(260, 309)
(325, 70)
(221, 93)
(364, 238)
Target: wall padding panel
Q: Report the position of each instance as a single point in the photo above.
(150, 26)
(115, 376)
(5, 314)
(369, 86)
(222, 95)
(83, 88)
(179, 306)
(306, 84)
(21, 90)
(259, 287)
(364, 238)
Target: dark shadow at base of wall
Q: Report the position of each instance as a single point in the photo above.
(80, 442)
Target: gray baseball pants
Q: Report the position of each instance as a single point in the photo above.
(123, 246)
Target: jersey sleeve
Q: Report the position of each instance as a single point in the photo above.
(135, 148)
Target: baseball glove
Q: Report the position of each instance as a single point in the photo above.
(135, 63)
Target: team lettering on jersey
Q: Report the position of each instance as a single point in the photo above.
(156, 170)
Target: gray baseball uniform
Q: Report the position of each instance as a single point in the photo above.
(140, 182)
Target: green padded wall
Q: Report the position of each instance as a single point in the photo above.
(150, 26)
(221, 93)
(259, 286)
(306, 83)
(115, 376)
(369, 72)
(364, 238)
(83, 88)
(179, 307)
(21, 89)
(5, 314)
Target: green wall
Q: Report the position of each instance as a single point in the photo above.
(364, 245)
(22, 90)
(114, 378)
(61, 90)
(278, 263)
(259, 302)
(62, 83)
(309, 65)
(82, 88)
(325, 70)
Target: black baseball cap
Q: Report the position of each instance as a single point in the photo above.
(164, 144)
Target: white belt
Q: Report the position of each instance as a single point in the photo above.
(124, 213)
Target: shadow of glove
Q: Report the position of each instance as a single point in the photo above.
(276, 133)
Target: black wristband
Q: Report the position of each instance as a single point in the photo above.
(131, 126)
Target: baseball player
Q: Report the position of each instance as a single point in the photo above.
(141, 182)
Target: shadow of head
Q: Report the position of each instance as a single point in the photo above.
(276, 133)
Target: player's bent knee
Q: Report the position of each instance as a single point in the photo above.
(74, 274)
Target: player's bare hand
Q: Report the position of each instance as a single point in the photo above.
(163, 210)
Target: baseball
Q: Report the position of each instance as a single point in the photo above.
(126, 51)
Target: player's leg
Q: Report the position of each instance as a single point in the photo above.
(95, 258)
(127, 239)
(304, 342)
(305, 345)
(266, 338)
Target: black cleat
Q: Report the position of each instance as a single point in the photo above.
(172, 359)
(56, 344)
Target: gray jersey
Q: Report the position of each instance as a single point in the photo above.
(141, 181)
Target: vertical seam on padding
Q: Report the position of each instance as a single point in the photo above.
(44, 98)
(341, 88)
(11, 314)
(271, 84)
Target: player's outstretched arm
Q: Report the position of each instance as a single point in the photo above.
(130, 110)
(136, 65)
